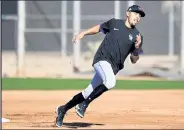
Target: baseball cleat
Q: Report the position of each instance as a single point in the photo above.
(60, 113)
(80, 109)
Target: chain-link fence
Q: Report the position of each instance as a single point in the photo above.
(43, 31)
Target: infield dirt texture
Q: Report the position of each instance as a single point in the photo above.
(132, 104)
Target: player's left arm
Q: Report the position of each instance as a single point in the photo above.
(134, 57)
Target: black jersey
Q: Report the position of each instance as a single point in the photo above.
(118, 43)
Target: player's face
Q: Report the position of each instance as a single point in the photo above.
(133, 18)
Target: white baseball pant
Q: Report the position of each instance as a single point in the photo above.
(104, 75)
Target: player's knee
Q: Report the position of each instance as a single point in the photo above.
(87, 91)
(110, 83)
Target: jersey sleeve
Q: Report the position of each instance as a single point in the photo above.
(105, 27)
(138, 51)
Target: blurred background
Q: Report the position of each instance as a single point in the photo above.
(37, 38)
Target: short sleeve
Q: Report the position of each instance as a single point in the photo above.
(105, 27)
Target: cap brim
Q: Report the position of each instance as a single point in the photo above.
(141, 13)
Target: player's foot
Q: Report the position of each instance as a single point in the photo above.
(80, 109)
(60, 113)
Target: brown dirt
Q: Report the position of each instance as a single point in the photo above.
(163, 109)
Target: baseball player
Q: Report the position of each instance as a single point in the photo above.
(121, 39)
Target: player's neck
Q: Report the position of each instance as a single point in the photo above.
(127, 24)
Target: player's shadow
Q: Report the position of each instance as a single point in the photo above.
(79, 124)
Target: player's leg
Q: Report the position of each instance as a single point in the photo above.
(105, 73)
(96, 81)
(80, 97)
(104, 70)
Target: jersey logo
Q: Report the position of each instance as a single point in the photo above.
(130, 37)
(116, 29)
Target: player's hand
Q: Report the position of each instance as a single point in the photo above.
(78, 37)
(138, 41)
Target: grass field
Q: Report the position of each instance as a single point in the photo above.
(75, 84)
(161, 106)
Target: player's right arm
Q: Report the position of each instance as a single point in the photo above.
(104, 28)
(93, 30)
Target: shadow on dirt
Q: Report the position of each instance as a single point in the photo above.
(79, 124)
(73, 125)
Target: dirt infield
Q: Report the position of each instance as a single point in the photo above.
(163, 109)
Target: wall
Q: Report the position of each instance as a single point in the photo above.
(154, 26)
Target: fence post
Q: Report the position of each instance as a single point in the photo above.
(130, 3)
(171, 29)
(21, 38)
(63, 27)
(76, 30)
(182, 37)
(117, 9)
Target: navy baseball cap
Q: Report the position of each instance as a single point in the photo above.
(136, 8)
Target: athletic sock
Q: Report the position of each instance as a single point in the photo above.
(74, 101)
(96, 93)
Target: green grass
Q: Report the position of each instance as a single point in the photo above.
(75, 84)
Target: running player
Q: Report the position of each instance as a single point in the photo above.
(122, 38)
